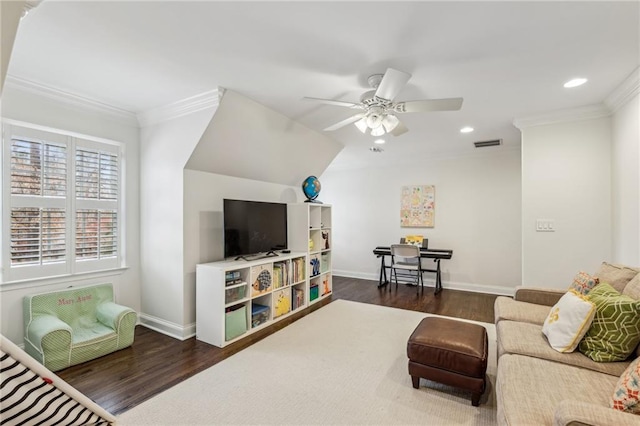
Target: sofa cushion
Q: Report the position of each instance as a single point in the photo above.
(539, 295)
(616, 275)
(527, 339)
(528, 390)
(583, 282)
(626, 394)
(505, 308)
(632, 289)
(568, 321)
(615, 331)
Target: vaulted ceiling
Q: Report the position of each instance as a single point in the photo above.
(506, 59)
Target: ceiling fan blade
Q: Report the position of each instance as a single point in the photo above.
(392, 83)
(399, 129)
(450, 104)
(344, 122)
(336, 103)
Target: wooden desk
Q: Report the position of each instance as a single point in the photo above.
(435, 254)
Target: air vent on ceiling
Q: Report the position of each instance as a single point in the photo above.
(484, 144)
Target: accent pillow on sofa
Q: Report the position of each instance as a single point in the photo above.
(616, 275)
(627, 391)
(615, 330)
(583, 283)
(568, 321)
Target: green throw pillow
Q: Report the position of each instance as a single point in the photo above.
(615, 330)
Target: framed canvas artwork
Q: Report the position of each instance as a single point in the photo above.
(418, 206)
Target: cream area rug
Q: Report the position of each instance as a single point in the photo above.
(345, 363)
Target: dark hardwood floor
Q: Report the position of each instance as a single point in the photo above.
(155, 362)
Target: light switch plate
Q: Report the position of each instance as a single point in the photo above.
(545, 225)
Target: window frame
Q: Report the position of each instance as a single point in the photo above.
(70, 266)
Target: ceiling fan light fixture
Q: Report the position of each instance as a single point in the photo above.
(378, 131)
(390, 122)
(466, 129)
(374, 121)
(362, 125)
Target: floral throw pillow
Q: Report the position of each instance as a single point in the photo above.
(583, 283)
(627, 392)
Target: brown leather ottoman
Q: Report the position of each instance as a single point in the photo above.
(450, 352)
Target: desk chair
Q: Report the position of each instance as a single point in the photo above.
(406, 258)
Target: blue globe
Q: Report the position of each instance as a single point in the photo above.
(311, 188)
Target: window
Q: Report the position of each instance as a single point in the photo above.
(61, 205)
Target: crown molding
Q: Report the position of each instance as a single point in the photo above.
(589, 112)
(119, 114)
(181, 108)
(622, 94)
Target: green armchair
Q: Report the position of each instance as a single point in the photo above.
(71, 326)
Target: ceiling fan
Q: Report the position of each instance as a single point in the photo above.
(378, 114)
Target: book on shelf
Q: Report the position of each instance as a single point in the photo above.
(297, 299)
(280, 275)
(298, 270)
(232, 275)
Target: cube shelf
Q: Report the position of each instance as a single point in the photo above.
(235, 298)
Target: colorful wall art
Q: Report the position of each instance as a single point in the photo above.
(418, 206)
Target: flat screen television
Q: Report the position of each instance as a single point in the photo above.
(252, 227)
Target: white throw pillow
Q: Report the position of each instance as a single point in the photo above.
(568, 321)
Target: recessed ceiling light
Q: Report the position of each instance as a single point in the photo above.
(466, 129)
(575, 82)
(379, 141)
(376, 149)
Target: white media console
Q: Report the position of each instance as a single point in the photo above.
(235, 298)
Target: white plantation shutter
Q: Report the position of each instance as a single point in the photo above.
(38, 186)
(96, 175)
(62, 199)
(38, 236)
(38, 168)
(97, 190)
(96, 234)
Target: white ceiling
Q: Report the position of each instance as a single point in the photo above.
(507, 59)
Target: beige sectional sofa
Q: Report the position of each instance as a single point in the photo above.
(536, 385)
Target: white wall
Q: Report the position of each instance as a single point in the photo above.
(57, 114)
(625, 175)
(165, 149)
(477, 216)
(10, 12)
(174, 209)
(566, 177)
(203, 225)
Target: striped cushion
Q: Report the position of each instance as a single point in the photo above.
(28, 399)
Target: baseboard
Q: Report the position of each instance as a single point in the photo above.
(472, 287)
(166, 327)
